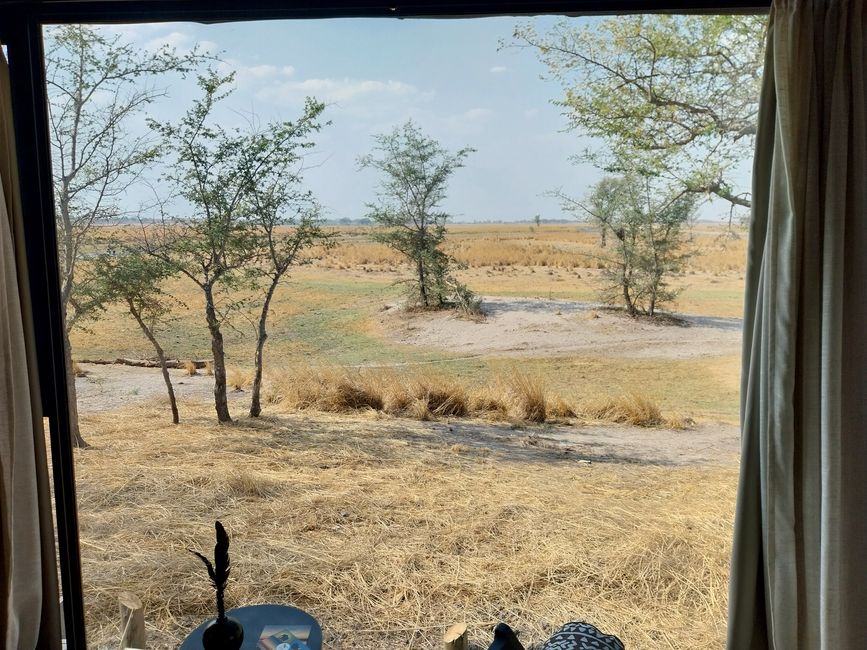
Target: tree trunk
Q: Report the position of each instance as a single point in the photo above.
(422, 288)
(221, 402)
(74, 429)
(627, 297)
(262, 335)
(161, 356)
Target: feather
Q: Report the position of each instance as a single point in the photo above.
(222, 566)
(207, 563)
(218, 572)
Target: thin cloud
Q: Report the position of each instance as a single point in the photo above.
(254, 73)
(339, 90)
(499, 69)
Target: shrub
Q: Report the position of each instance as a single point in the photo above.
(629, 408)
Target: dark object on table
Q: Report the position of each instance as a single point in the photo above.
(582, 636)
(505, 639)
(223, 633)
(262, 623)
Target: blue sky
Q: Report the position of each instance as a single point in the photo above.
(450, 76)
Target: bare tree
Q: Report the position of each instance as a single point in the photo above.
(96, 85)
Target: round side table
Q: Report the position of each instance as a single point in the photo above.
(267, 627)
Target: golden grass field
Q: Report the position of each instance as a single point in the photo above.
(374, 519)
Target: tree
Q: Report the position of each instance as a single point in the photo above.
(132, 278)
(96, 85)
(216, 173)
(288, 222)
(416, 170)
(645, 220)
(679, 92)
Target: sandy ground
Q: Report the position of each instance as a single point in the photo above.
(542, 328)
(513, 327)
(108, 387)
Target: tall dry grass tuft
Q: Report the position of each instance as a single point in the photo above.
(489, 402)
(424, 396)
(513, 395)
(238, 379)
(558, 407)
(529, 402)
(77, 370)
(333, 390)
(628, 408)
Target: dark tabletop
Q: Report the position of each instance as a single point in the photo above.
(255, 618)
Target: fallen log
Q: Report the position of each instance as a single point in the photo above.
(145, 363)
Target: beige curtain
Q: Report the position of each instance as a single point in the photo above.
(799, 565)
(29, 601)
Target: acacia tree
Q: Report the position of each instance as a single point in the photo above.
(645, 221)
(680, 93)
(133, 279)
(215, 171)
(287, 222)
(96, 85)
(416, 170)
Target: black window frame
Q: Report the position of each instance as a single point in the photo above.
(21, 23)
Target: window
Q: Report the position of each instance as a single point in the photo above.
(434, 499)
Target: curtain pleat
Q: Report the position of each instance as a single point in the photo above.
(798, 578)
(29, 599)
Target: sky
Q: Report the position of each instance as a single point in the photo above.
(451, 77)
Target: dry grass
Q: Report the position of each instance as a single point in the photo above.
(190, 368)
(421, 395)
(528, 397)
(502, 246)
(629, 408)
(77, 370)
(238, 379)
(386, 539)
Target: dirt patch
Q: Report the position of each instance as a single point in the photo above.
(543, 328)
(107, 387)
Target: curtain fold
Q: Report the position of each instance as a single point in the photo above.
(798, 577)
(29, 598)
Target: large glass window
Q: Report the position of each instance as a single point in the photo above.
(441, 319)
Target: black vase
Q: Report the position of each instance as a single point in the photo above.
(223, 635)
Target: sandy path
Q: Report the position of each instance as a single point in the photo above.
(107, 387)
(542, 328)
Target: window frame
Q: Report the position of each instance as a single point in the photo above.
(21, 32)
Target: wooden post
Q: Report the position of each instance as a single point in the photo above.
(457, 638)
(132, 627)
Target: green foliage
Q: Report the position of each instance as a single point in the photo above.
(415, 172)
(645, 225)
(132, 278)
(96, 86)
(246, 216)
(675, 95)
(238, 187)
